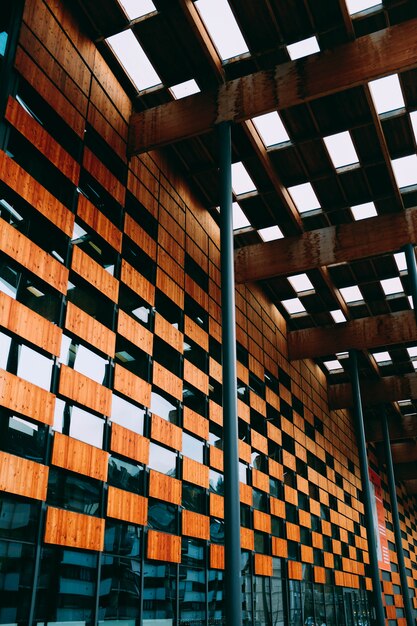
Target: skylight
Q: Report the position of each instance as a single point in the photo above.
(386, 94)
(303, 48)
(412, 352)
(271, 233)
(184, 89)
(222, 27)
(304, 197)
(392, 286)
(382, 358)
(293, 306)
(413, 117)
(239, 218)
(338, 316)
(271, 129)
(131, 55)
(351, 294)
(363, 211)
(341, 149)
(137, 8)
(410, 302)
(241, 181)
(405, 170)
(354, 6)
(333, 366)
(401, 261)
(300, 283)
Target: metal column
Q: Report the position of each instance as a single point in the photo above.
(233, 599)
(396, 520)
(366, 489)
(412, 272)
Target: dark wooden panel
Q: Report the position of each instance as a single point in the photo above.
(140, 236)
(75, 530)
(100, 172)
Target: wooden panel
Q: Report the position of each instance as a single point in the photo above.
(23, 477)
(129, 444)
(196, 377)
(94, 274)
(127, 506)
(195, 472)
(79, 457)
(167, 381)
(216, 556)
(84, 390)
(26, 253)
(244, 451)
(66, 528)
(99, 99)
(262, 521)
(106, 131)
(27, 399)
(295, 570)
(134, 332)
(137, 283)
(112, 87)
(169, 333)
(260, 480)
(259, 442)
(195, 423)
(166, 432)
(29, 325)
(263, 565)
(165, 487)
(216, 458)
(196, 333)
(100, 172)
(279, 547)
(89, 214)
(245, 494)
(216, 505)
(257, 403)
(195, 525)
(85, 327)
(131, 386)
(277, 507)
(140, 236)
(170, 288)
(163, 547)
(247, 539)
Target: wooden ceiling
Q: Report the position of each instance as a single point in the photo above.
(316, 96)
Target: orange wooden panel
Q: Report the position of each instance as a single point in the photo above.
(23, 477)
(42, 140)
(263, 565)
(27, 399)
(295, 570)
(244, 451)
(304, 518)
(290, 495)
(196, 377)
(274, 433)
(195, 472)
(169, 333)
(242, 373)
(216, 458)
(164, 547)
(170, 288)
(167, 381)
(261, 521)
(247, 539)
(307, 554)
(275, 469)
(140, 236)
(111, 85)
(79, 457)
(216, 556)
(127, 506)
(134, 332)
(257, 403)
(215, 370)
(328, 560)
(195, 525)
(277, 507)
(137, 282)
(292, 531)
(279, 547)
(245, 494)
(259, 442)
(319, 575)
(106, 131)
(84, 390)
(129, 444)
(215, 413)
(164, 487)
(196, 292)
(66, 528)
(29, 325)
(243, 411)
(165, 432)
(196, 333)
(195, 423)
(131, 386)
(216, 505)
(94, 274)
(260, 480)
(90, 330)
(103, 175)
(272, 398)
(26, 253)
(94, 218)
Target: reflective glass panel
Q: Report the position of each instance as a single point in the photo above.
(159, 593)
(192, 595)
(192, 447)
(120, 586)
(18, 518)
(125, 475)
(123, 539)
(127, 414)
(24, 438)
(74, 492)
(16, 577)
(35, 367)
(162, 460)
(162, 516)
(216, 608)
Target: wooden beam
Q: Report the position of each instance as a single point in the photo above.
(404, 452)
(326, 246)
(360, 334)
(384, 52)
(400, 427)
(374, 392)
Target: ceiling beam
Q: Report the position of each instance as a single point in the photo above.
(326, 246)
(360, 334)
(400, 427)
(374, 392)
(404, 452)
(384, 52)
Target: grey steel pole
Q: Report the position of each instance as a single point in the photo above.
(366, 489)
(233, 600)
(396, 521)
(412, 272)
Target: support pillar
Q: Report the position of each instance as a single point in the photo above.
(233, 600)
(396, 521)
(366, 490)
(412, 272)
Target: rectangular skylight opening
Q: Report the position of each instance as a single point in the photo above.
(301, 283)
(271, 233)
(351, 294)
(137, 8)
(405, 170)
(341, 149)
(333, 366)
(304, 197)
(382, 358)
(413, 117)
(401, 262)
(363, 211)
(392, 286)
(184, 89)
(222, 27)
(239, 218)
(338, 316)
(386, 94)
(293, 306)
(355, 6)
(412, 352)
(303, 48)
(134, 60)
(241, 181)
(271, 129)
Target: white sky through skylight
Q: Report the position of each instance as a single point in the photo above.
(382, 358)
(351, 294)
(271, 129)
(400, 260)
(184, 89)
(300, 283)
(134, 60)
(362, 211)
(338, 316)
(341, 149)
(405, 170)
(304, 197)
(239, 218)
(270, 233)
(354, 6)
(386, 94)
(137, 8)
(223, 28)
(413, 117)
(303, 48)
(241, 181)
(293, 306)
(333, 366)
(392, 286)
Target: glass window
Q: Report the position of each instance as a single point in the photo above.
(168, 309)
(86, 427)
(122, 539)
(196, 355)
(194, 399)
(139, 259)
(192, 447)
(159, 592)
(132, 358)
(90, 300)
(74, 492)
(216, 435)
(96, 248)
(135, 306)
(193, 552)
(261, 543)
(120, 589)
(260, 500)
(196, 312)
(261, 599)
(18, 518)
(100, 197)
(216, 608)
(83, 360)
(192, 595)
(295, 603)
(194, 498)
(216, 482)
(216, 531)
(164, 406)
(243, 473)
(24, 438)
(162, 516)
(126, 475)
(5, 343)
(16, 579)
(162, 460)
(34, 367)
(167, 356)
(127, 414)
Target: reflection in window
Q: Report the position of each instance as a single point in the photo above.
(159, 592)
(96, 248)
(34, 367)
(193, 447)
(295, 602)
(193, 552)
(194, 399)
(216, 436)
(216, 482)
(22, 437)
(134, 305)
(90, 300)
(18, 518)
(217, 531)
(162, 460)
(126, 475)
(132, 358)
(167, 356)
(194, 498)
(83, 360)
(74, 492)
(168, 309)
(196, 355)
(261, 599)
(163, 405)
(78, 423)
(196, 312)
(16, 578)
(260, 500)
(127, 414)
(162, 516)
(216, 608)
(120, 589)
(123, 539)
(192, 595)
